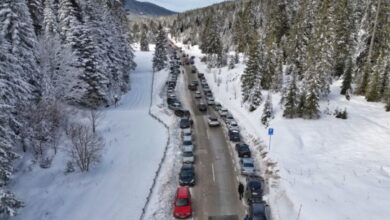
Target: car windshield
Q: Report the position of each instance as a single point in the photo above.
(181, 202)
(188, 154)
(254, 185)
(249, 165)
(187, 143)
(186, 174)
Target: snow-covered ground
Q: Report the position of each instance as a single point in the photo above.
(117, 188)
(326, 169)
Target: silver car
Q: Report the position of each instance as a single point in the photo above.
(247, 166)
(188, 154)
(187, 132)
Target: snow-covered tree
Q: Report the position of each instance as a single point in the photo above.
(250, 78)
(290, 98)
(144, 43)
(267, 111)
(160, 54)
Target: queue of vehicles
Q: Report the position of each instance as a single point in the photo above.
(253, 194)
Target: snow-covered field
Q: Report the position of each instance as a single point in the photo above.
(117, 188)
(326, 169)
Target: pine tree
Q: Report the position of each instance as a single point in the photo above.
(347, 80)
(311, 107)
(290, 98)
(160, 55)
(231, 62)
(267, 111)
(144, 41)
(374, 86)
(251, 73)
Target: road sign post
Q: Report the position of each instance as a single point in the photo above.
(270, 133)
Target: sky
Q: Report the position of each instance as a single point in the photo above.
(182, 5)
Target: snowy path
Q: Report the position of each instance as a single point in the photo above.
(118, 187)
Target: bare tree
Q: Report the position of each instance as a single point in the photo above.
(95, 118)
(86, 146)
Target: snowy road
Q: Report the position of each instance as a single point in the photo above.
(118, 187)
(215, 194)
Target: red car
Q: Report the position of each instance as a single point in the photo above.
(182, 205)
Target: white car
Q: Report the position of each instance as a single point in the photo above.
(188, 154)
(232, 125)
(198, 95)
(247, 166)
(213, 121)
(223, 112)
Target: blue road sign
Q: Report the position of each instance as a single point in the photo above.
(270, 131)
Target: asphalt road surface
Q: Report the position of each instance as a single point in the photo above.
(215, 195)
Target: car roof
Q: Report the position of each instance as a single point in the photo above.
(247, 160)
(187, 166)
(187, 138)
(188, 148)
(183, 192)
(187, 130)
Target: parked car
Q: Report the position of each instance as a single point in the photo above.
(175, 105)
(258, 211)
(185, 123)
(201, 75)
(195, 82)
(187, 132)
(232, 124)
(223, 112)
(247, 166)
(187, 175)
(229, 117)
(182, 207)
(210, 101)
(253, 189)
(243, 150)
(217, 106)
(213, 121)
(234, 135)
(182, 113)
(187, 141)
(198, 95)
(202, 107)
(188, 154)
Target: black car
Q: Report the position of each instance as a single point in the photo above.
(243, 150)
(257, 211)
(234, 136)
(187, 175)
(192, 87)
(182, 113)
(185, 123)
(202, 107)
(254, 189)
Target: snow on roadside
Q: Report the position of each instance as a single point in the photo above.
(117, 188)
(328, 169)
(161, 199)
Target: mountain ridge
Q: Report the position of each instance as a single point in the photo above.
(146, 8)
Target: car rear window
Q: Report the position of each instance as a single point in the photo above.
(188, 154)
(182, 202)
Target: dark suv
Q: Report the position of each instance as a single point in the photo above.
(187, 175)
(202, 107)
(254, 189)
(243, 150)
(234, 135)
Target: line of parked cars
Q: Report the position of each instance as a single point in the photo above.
(182, 207)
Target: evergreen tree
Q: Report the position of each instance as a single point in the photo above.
(290, 98)
(231, 62)
(374, 86)
(251, 73)
(347, 80)
(160, 55)
(311, 107)
(144, 40)
(236, 58)
(267, 111)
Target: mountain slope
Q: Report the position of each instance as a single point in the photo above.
(146, 8)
